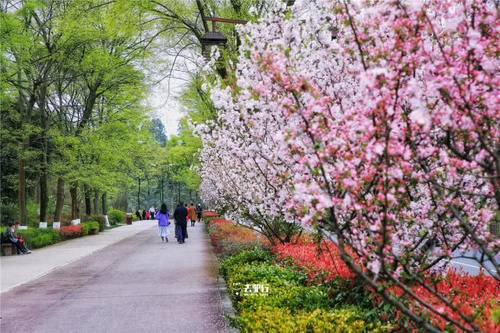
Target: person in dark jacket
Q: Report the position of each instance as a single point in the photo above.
(180, 215)
(9, 236)
(199, 211)
(143, 214)
(138, 214)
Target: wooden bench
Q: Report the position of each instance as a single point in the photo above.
(9, 249)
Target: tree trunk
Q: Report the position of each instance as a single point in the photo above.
(44, 197)
(74, 203)
(88, 208)
(161, 193)
(139, 195)
(25, 108)
(22, 186)
(96, 202)
(149, 192)
(104, 209)
(59, 199)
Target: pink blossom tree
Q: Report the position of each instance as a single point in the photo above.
(380, 121)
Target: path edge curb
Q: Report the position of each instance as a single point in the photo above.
(226, 303)
(225, 300)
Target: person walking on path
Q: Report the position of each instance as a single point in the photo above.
(192, 214)
(152, 212)
(138, 214)
(199, 211)
(180, 215)
(162, 217)
(143, 214)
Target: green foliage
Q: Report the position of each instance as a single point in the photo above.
(257, 255)
(116, 216)
(32, 217)
(85, 229)
(89, 228)
(101, 221)
(9, 212)
(286, 302)
(36, 238)
(158, 130)
(270, 319)
(231, 247)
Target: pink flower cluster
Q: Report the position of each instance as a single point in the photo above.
(378, 119)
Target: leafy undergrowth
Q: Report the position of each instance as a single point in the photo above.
(306, 287)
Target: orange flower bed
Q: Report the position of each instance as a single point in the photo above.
(225, 235)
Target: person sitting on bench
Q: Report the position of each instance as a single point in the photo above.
(10, 236)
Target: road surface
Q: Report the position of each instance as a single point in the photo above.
(136, 285)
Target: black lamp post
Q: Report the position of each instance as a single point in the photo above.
(215, 38)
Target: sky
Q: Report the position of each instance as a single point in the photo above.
(165, 104)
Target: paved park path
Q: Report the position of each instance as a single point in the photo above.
(128, 283)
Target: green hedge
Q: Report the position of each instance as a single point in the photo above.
(272, 298)
(96, 218)
(269, 319)
(89, 228)
(36, 238)
(116, 216)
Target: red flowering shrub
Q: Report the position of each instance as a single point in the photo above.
(71, 231)
(321, 264)
(210, 214)
(474, 296)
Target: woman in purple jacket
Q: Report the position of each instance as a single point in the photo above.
(162, 217)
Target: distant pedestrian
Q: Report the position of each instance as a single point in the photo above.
(148, 215)
(180, 215)
(143, 214)
(138, 214)
(152, 212)
(199, 211)
(192, 214)
(176, 233)
(162, 217)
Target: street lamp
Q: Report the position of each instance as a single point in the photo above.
(215, 38)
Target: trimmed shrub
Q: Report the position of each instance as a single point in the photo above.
(85, 228)
(116, 216)
(94, 227)
(36, 238)
(101, 220)
(269, 319)
(245, 257)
